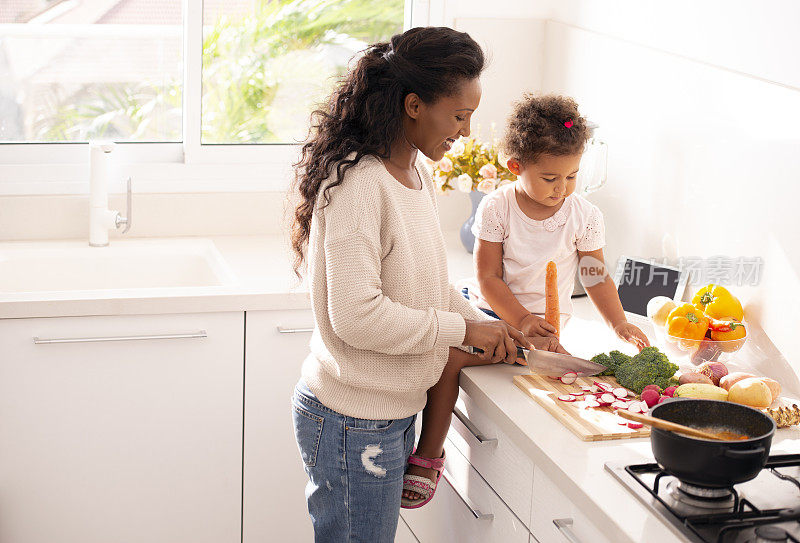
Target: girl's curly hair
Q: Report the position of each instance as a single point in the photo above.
(547, 124)
(364, 114)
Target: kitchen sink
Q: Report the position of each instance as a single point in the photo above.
(124, 264)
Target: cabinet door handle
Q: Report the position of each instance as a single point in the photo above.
(564, 526)
(282, 330)
(482, 439)
(472, 509)
(40, 341)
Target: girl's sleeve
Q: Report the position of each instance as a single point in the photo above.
(593, 236)
(489, 224)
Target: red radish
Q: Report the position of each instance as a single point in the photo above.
(608, 398)
(670, 391)
(590, 398)
(586, 389)
(567, 398)
(592, 403)
(620, 392)
(619, 405)
(569, 377)
(663, 399)
(635, 425)
(650, 397)
(594, 389)
(576, 394)
(623, 422)
(654, 387)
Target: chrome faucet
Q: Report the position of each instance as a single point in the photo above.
(101, 219)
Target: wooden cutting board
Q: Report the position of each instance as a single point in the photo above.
(592, 424)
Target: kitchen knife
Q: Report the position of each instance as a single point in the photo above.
(557, 364)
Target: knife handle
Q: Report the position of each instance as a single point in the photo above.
(520, 351)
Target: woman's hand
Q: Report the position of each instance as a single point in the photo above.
(496, 339)
(631, 333)
(533, 326)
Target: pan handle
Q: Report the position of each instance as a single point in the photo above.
(736, 453)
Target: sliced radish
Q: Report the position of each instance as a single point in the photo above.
(585, 388)
(605, 387)
(567, 398)
(576, 394)
(620, 392)
(592, 403)
(608, 398)
(590, 397)
(569, 377)
(594, 389)
(623, 422)
(635, 425)
(619, 405)
(644, 407)
(635, 408)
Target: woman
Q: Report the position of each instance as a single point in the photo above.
(386, 318)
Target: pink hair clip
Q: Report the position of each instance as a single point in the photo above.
(568, 123)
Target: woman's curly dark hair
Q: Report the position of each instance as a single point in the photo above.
(537, 127)
(364, 114)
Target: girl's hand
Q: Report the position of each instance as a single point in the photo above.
(533, 326)
(496, 339)
(630, 333)
(548, 344)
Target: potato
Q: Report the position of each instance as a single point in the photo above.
(728, 381)
(694, 377)
(658, 308)
(774, 387)
(750, 391)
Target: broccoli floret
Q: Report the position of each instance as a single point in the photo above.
(619, 358)
(604, 360)
(649, 367)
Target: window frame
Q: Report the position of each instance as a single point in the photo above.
(187, 166)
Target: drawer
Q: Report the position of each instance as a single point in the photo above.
(464, 509)
(507, 469)
(555, 519)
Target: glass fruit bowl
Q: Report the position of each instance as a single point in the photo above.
(698, 350)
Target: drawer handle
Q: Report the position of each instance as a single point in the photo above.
(40, 341)
(482, 439)
(282, 330)
(564, 526)
(472, 509)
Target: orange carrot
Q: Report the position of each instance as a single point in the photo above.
(552, 314)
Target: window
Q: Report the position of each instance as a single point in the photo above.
(75, 70)
(201, 87)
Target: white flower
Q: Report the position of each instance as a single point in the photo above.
(445, 165)
(458, 148)
(488, 171)
(502, 159)
(486, 185)
(464, 182)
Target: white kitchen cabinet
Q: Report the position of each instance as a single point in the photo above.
(123, 439)
(465, 509)
(556, 519)
(274, 480)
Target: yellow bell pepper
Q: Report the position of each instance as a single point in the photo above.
(716, 302)
(687, 322)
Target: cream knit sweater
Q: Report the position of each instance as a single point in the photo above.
(384, 310)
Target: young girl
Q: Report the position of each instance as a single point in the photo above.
(519, 228)
(522, 226)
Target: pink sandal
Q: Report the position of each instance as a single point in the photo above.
(421, 485)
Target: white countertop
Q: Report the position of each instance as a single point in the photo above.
(260, 264)
(576, 466)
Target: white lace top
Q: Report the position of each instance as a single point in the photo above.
(529, 244)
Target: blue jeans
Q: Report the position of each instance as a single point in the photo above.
(355, 469)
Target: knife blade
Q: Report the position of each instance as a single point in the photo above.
(557, 364)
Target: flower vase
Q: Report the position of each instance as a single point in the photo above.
(467, 238)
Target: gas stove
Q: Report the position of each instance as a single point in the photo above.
(763, 510)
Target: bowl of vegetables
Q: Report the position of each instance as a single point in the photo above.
(710, 328)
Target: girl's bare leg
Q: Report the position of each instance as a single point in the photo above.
(438, 411)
